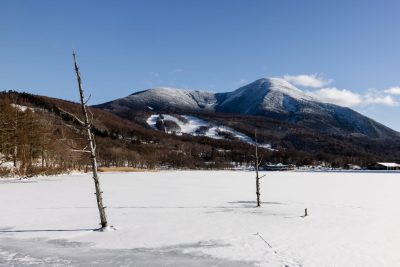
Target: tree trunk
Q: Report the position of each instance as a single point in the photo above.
(15, 136)
(15, 153)
(257, 175)
(92, 147)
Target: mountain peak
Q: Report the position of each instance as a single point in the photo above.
(280, 85)
(263, 94)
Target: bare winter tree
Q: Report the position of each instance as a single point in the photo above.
(257, 162)
(13, 122)
(87, 123)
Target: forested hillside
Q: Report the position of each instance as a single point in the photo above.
(40, 135)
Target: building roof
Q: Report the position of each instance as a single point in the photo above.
(389, 164)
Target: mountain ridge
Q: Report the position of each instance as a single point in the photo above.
(269, 97)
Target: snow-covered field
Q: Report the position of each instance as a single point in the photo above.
(200, 218)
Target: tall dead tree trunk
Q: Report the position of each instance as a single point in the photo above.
(258, 160)
(15, 136)
(92, 148)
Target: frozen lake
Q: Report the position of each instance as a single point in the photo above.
(203, 218)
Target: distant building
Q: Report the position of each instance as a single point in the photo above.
(384, 166)
(277, 167)
(353, 167)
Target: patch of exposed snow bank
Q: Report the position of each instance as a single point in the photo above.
(21, 108)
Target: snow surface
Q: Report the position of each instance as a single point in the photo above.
(20, 107)
(192, 125)
(203, 218)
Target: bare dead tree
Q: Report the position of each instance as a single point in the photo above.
(257, 160)
(87, 123)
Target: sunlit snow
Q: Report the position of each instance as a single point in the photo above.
(192, 125)
(203, 218)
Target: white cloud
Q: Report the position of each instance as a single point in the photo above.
(313, 80)
(344, 97)
(341, 97)
(347, 98)
(374, 98)
(393, 90)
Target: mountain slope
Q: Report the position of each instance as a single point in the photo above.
(164, 99)
(194, 126)
(274, 98)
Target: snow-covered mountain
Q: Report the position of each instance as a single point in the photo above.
(263, 94)
(270, 97)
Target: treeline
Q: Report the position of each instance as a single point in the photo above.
(30, 143)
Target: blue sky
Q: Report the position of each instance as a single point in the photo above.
(348, 52)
